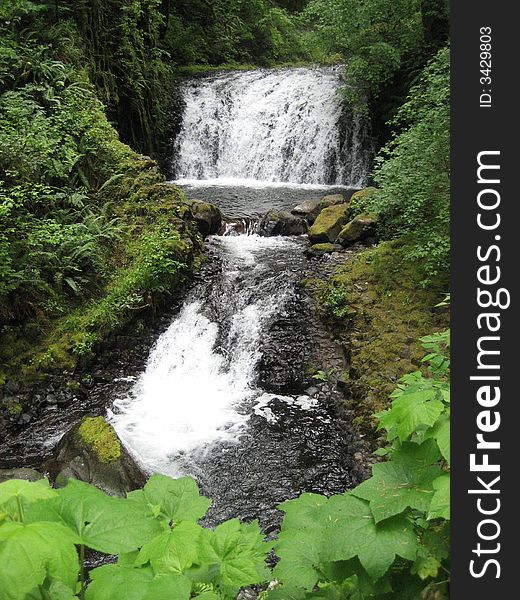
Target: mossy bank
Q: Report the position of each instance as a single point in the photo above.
(377, 310)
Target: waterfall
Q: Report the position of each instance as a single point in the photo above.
(204, 367)
(281, 125)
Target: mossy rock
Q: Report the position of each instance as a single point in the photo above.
(360, 198)
(91, 451)
(310, 209)
(360, 228)
(331, 200)
(101, 438)
(329, 223)
(377, 310)
(207, 216)
(279, 222)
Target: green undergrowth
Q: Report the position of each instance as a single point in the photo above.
(157, 248)
(378, 310)
(92, 239)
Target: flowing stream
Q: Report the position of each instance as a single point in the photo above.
(225, 395)
(222, 397)
(224, 392)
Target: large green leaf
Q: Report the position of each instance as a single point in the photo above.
(18, 493)
(345, 528)
(440, 504)
(29, 553)
(301, 512)
(104, 523)
(173, 550)
(178, 499)
(411, 412)
(115, 582)
(352, 531)
(440, 432)
(238, 552)
(300, 553)
(398, 485)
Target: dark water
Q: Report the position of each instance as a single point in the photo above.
(241, 201)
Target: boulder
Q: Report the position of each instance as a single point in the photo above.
(207, 216)
(360, 228)
(92, 452)
(329, 223)
(309, 210)
(282, 223)
(331, 200)
(318, 250)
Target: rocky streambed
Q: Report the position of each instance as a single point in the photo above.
(237, 385)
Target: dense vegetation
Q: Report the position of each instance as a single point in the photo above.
(89, 235)
(386, 538)
(413, 174)
(92, 240)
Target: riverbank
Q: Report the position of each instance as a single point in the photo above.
(376, 309)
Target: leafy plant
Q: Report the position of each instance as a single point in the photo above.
(413, 173)
(391, 531)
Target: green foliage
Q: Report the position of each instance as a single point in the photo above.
(53, 246)
(353, 545)
(378, 39)
(162, 551)
(232, 32)
(413, 173)
(85, 239)
(335, 301)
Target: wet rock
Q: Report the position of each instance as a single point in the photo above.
(21, 473)
(331, 200)
(282, 223)
(207, 216)
(360, 228)
(312, 391)
(285, 351)
(329, 223)
(25, 419)
(317, 250)
(92, 452)
(11, 387)
(51, 399)
(309, 210)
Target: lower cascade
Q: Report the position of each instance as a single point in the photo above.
(277, 125)
(224, 395)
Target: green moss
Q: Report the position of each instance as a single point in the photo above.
(101, 438)
(13, 408)
(324, 247)
(377, 309)
(158, 248)
(329, 223)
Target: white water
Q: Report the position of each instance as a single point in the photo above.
(192, 394)
(283, 125)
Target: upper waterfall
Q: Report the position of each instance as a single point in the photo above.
(281, 125)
